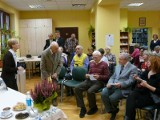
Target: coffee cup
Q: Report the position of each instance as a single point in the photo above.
(6, 111)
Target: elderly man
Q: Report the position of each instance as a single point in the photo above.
(51, 62)
(80, 59)
(119, 85)
(70, 46)
(48, 41)
(99, 72)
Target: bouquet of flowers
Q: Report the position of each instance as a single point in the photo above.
(43, 95)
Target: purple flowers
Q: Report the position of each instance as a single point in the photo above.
(43, 90)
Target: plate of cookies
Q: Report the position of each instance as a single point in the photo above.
(19, 106)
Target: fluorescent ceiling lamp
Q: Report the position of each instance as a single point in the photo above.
(36, 6)
(135, 4)
(78, 5)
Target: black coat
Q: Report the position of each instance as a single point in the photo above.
(47, 44)
(9, 71)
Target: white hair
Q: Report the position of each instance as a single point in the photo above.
(54, 44)
(96, 52)
(125, 56)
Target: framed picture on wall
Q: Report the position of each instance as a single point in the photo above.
(142, 21)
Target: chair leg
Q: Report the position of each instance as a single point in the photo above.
(62, 91)
(155, 114)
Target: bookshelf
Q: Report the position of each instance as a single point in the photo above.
(124, 42)
(140, 36)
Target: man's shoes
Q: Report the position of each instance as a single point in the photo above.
(92, 111)
(82, 112)
(114, 113)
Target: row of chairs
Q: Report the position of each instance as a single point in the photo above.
(78, 75)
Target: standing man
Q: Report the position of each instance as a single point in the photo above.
(70, 46)
(51, 62)
(59, 39)
(119, 85)
(48, 41)
(10, 68)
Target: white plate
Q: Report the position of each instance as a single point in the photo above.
(5, 117)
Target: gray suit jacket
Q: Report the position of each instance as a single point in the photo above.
(125, 78)
(50, 65)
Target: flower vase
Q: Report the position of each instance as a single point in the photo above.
(45, 105)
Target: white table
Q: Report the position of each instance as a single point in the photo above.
(11, 97)
(29, 60)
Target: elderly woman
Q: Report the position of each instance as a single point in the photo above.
(144, 65)
(111, 59)
(10, 68)
(148, 91)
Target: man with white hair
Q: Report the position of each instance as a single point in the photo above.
(51, 62)
(100, 73)
(119, 85)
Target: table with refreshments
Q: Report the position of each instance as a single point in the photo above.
(10, 99)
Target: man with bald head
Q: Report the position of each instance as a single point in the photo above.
(80, 59)
(119, 85)
(51, 62)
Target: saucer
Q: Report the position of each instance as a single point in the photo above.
(6, 116)
(22, 115)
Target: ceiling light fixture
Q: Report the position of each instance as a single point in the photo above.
(78, 5)
(36, 6)
(135, 4)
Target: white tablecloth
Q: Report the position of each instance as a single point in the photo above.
(11, 97)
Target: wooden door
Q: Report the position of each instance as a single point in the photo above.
(67, 31)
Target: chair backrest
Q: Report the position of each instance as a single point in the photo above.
(78, 73)
(62, 73)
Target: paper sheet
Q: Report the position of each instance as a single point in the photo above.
(92, 77)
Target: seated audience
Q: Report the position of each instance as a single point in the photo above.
(119, 85)
(64, 57)
(104, 58)
(156, 49)
(111, 59)
(148, 91)
(135, 55)
(80, 59)
(144, 65)
(89, 54)
(99, 70)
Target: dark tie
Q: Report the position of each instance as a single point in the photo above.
(122, 67)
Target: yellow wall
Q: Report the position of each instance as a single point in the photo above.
(152, 21)
(123, 19)
(80, 19)
(108, 22)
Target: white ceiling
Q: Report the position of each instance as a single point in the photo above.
(23, 5)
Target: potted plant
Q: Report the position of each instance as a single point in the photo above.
(5, 35)
(43, 95)
(91, 29)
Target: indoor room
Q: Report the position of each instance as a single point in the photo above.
(80, 59)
